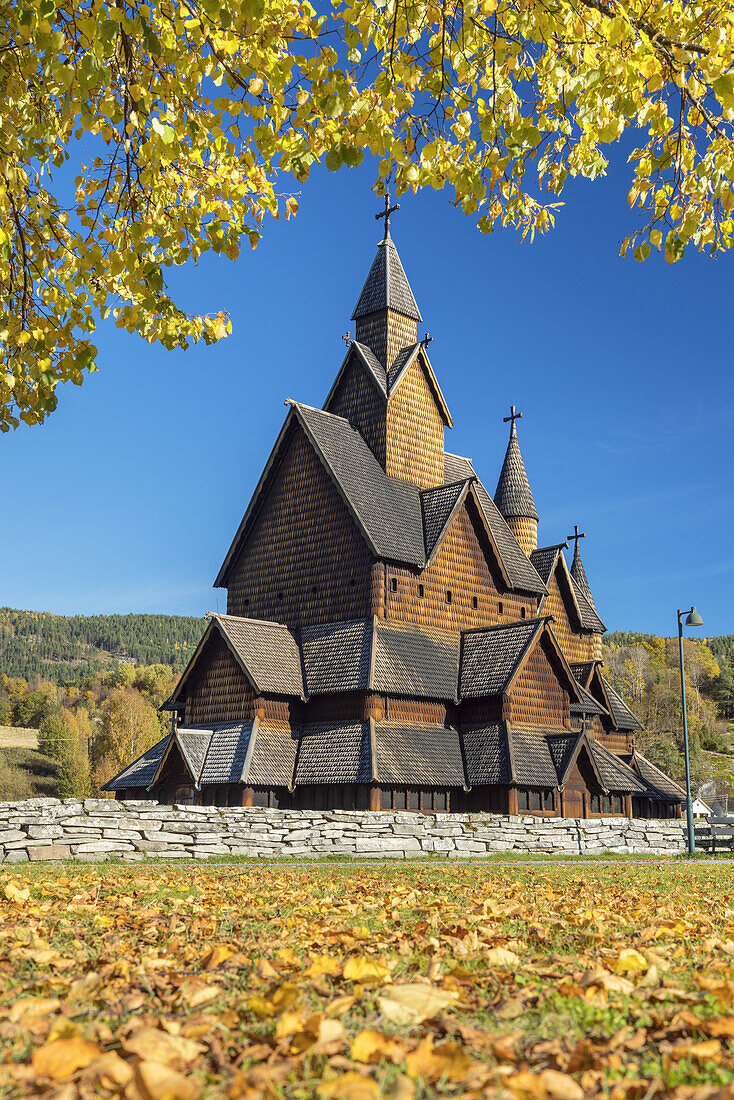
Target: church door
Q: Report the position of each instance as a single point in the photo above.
(573, 803)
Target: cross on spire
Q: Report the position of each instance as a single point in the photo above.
(347, 338)
(574, 538)
(512, 417)
(386, 213)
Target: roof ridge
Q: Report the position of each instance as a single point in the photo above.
(507, 626)
(247, 619)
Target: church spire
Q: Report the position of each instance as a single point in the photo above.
(577, 566)
(386, 313)
(513, 495)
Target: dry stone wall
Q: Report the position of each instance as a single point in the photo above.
(99, 829)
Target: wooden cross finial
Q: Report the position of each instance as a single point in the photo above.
(512, 417)
(427, 339)
(347, 338)
(576, 536)
(386, 213)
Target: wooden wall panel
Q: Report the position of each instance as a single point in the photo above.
(415, 710)
(358, 401)
(536, 695)
(386, 332)
(575, 647)
(460, 567)
(525, 531)
(218, 690)
(304, 560)
(414, 439)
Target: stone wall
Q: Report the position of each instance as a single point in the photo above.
(97, 829)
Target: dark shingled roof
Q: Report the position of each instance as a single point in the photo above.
(374, 366)
(622, 716)
(334, 752)
(273, 755)
(438, 507)
(268, 651)
(562, 749)
(387, 510)
(141, 771)
(399, 363)
(659, 784)
(512, 495)
(487, 754)
(193, 745)
(588, 704)
(490, 656)
(589, 618)
(544, 559)
(582, 671)
(387, 286)
(225, 760)
(336, 656)
(520, 569)
(532, 763)
(579, 574)
(367, 654)
(616, 775)
(427, 755)
(411, 661)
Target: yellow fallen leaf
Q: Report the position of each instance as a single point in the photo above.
(407, 1005)
(217, 955)
(153, 1045)
(16, 893)
(560, 1086)
(447, 1060)
(194, 993)
(374, 1046)
(502, 959)
(277, 1001)
(603, 979)
(61, 1058)
(28, 1007)
(350, 1086)
(157, 1082)
(340, 1005)
(365, 971)
(110, 1071)
(323, 965)
(630, 961)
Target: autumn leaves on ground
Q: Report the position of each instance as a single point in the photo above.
(152, 983)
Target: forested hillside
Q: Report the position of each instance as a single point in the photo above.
(645, 670)
(62, 648)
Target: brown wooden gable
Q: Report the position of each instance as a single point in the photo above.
(357, 398)
(415, 429)
(303, 559)
(576, 644)
(173, 768)
(216, 689)
(465, 564)
(539, 693)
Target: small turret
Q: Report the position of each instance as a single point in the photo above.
(577, 566)
(513, 495)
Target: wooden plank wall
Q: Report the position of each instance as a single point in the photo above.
(414, 440)
(217, 690)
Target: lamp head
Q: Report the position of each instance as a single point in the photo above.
(694, 619)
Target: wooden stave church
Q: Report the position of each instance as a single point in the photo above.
(394, 638)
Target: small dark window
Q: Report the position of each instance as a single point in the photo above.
(386, 800)
(548, 800)
(280, 595)
(351, 582)
(314, 588)
(414, 800)
(393, 584)
(260, 798)
(421, 591)
(448, 597)
(535, 800)
(363, 797)
(247, 603)
(474, 602)
(523, 800)
(500, 607)
(399, 800)
(440, 800)
(220, 796)
(522, 612)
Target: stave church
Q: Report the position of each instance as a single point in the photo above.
(395, 638)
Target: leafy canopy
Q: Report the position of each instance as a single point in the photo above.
(141, 135)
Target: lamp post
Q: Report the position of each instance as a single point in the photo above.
(692, 619)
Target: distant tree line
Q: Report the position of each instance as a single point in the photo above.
(645, 670)
(62, 648)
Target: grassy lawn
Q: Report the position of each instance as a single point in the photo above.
(524, 983)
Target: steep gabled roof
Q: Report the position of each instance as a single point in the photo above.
(369, 363)
(486, 754)
(227, 755)
(617, 775)
(579, 574)
(333, 752)
(439, 506)
(658, 783)
(582, 671)
(550, 561)
(491, 656)
(267, 653)
(522, 573)
(588, 704)
(622, 716)
(544, 559)
(387, 286)
(587, 613)
(141, 771)
(513, 495)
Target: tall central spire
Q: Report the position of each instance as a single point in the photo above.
(386, 313)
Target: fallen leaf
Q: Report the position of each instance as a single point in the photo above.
(277, 1001)
(158, 1082)
(365, 971)
(350, 1086)
(374, 1046)
(447, 1060)
(153, 1045)
(61, 1058)
(502, 959)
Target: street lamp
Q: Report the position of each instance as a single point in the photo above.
(692, 619)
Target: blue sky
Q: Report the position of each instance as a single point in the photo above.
(128, 497)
